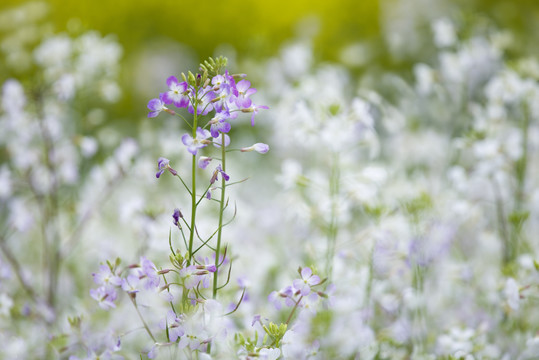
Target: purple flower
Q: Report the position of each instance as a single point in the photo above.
(258, 147)
(162, 165)
(105, 296)
(130, 284)
(204, 161)
(174, 325)
(275, 297)
(254, 110)
(223, 84)
(197, 143)
(243, 92)
(219, 124)
(256, 319)
(106, 277)
(190, 276)
(208, 265)
(178, 93)
(218, 170)
(176, 216)
(307, 280)
(204, 101)
(156, 106)
(148, 272)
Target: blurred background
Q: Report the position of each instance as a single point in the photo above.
(166, 37)
(403, 159)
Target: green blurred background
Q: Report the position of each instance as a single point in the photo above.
(190, 31)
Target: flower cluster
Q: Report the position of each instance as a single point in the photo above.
(300, 293)
(141, 276)
(219, 95)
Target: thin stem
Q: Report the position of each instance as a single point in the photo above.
(184, 184)
(334, 181)
(142, 319)
(221, 211)
(193, 184)
(520, 169)
(502, 228)
(17, 269)
(293, 310)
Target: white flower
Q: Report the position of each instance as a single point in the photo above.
(511, 293)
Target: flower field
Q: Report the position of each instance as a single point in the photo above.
(382, 203)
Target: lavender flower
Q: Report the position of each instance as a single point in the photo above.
(193, 144)
(156, 106)
(307, 280)
(219, 124)
(105, 296)
(204, 101)
(176, 216)
(174, 325)
(178, 93)
(148, 272)
(241, 96)
(218, 170)
(286, 294)
(163, 164)
(106, 277)
(254, 110)
(130, 284)
(204, 161)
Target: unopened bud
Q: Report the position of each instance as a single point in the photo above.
(258, 147)
(191, 77)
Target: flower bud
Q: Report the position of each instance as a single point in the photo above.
(258, 147)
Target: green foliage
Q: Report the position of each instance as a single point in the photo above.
(417, 205)
(274, 333)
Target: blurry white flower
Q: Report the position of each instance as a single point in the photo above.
(54, 52)
(6, 303)
(444, 32)
(88, 146)
(64, 87)
(110, 91)
(5, 182)
(126, 151)
(20, 216)
(424, 76)
(512, 294)
(13, 98)
(297, 59)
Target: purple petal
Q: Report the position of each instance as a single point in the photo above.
(314, 280)
(306, 273)
(172, 80)
(187, 139)
(243, 85)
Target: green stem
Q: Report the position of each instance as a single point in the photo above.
(293, 310)
(193, 185)
(221, 211)
(520, 167)
(142, 319)
(334, 181)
